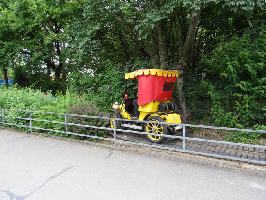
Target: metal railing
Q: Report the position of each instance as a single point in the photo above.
(66, 124)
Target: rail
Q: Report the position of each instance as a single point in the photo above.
(82, 126)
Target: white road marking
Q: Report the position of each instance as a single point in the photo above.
(257, 186)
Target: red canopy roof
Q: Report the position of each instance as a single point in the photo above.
(154, 84)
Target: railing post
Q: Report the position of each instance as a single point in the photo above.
(2, 115)
(66, 128)
(184, 135)
(114, 132)
(30, 118)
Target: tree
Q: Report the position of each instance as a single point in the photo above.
(38, 29)
(49, 39)
(181, 18)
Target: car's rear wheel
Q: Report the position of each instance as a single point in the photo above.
(156, 130)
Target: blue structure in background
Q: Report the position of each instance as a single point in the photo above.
(10, 81)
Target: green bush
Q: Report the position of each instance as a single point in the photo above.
(197, 99)
(101, 87)
(85, 108)
(238, 97)
(242, 137)
(19, 101)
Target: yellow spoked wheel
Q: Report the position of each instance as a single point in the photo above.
(156, 129)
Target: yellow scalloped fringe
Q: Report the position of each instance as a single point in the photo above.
(153, 72)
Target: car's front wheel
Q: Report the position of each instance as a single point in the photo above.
(155, 129)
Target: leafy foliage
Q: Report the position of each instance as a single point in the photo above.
(246, 138)
(238, 99)
(19, 102)
(103, 88)
(85, 46)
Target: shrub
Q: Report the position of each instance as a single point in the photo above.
(235, 80)
(85, 108)
(18, 101)
(101, 87)
(242, 137)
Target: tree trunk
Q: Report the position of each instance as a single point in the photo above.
(57, 45)
(181, 97)
(162, 49)
(184, 57)
(58, 71)
(194, 21)
(50, 66)
(124, 44)
(49, 70)
(64, 75)
(120, 32)
(152, 48)
(5, 76)
(59, 68)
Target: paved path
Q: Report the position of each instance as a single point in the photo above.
(38, 168)
(237, 151)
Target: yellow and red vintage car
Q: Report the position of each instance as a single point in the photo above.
(153, 104)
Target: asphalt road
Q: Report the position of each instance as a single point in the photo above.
(39, 168)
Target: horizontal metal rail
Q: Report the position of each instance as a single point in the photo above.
(146, 145)
(140, 121)
(145, 133)
(36, 116)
